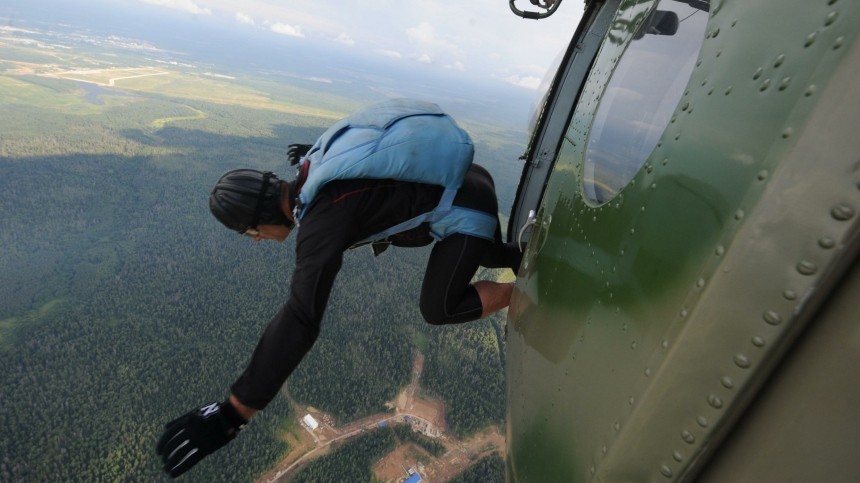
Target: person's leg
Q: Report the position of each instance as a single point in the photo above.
(502, 255)
(447, 296)
(494, 295)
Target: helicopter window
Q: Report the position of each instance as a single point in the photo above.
(641, 95)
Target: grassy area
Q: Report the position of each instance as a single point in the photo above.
(161, 122)
(20, 90)
(420, 341)
(9, 324)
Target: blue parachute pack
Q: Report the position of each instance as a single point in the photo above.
(406, 140)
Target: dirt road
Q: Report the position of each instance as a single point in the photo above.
(426, 416)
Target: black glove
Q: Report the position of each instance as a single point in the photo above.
(296, 151)
(190, 438)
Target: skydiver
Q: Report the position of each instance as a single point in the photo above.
(346, 209)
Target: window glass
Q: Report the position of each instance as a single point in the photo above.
(641, 95)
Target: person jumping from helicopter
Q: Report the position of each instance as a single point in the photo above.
(398, 173)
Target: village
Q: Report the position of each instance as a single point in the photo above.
(408, 462)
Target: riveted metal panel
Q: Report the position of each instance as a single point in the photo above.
(640, 330)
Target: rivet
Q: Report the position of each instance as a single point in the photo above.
(838, 43)
(728, 90)
(688, 437)
(700, 283)
(715, 32)
(783, 84)
(719, 53)
(787, 133)
(762, 175)
(826, 243)
(758, 341)
(742, 361)
(702, 421)
(739, 215)
(842, 212)
(603, 449)
(772, 317)
(809, 90)
(683, 313)
(719, 251)
(810, 39)
(685, 106)
(666, 471)
(727, 382)
(677, 456)
(715, 401)
(779, 60)
(831, 17)
(633, 345)
(631, 400)
(789, 294)
(764, 85)
(647, 372)
(616, 426)
(734, 22)
(665, 344)
(805, 267)
(758, 73)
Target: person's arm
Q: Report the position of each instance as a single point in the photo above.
(287, 338)
(293, 331)
(246, 412)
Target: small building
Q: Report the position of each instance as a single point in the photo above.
(310, 422)
(416, 478)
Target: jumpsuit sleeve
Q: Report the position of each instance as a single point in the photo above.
(323, 236)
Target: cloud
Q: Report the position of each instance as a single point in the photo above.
(423, 33)
(244, 18)
(285, 29)
(183, 5)
(433, 48)
(345, 39)
(423, 59)
(528, 81)
(390, 53)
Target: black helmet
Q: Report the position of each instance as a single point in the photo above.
(246, 198)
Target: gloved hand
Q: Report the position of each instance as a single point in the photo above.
(296, 151)
(190, 438)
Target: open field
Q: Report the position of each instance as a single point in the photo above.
(21, 60)
(107, 77)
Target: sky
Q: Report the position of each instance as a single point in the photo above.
(479, 39)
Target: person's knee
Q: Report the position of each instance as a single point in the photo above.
(432, 312)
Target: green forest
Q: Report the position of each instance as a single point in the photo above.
(124, 303)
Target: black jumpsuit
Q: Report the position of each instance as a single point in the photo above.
(344, 213)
